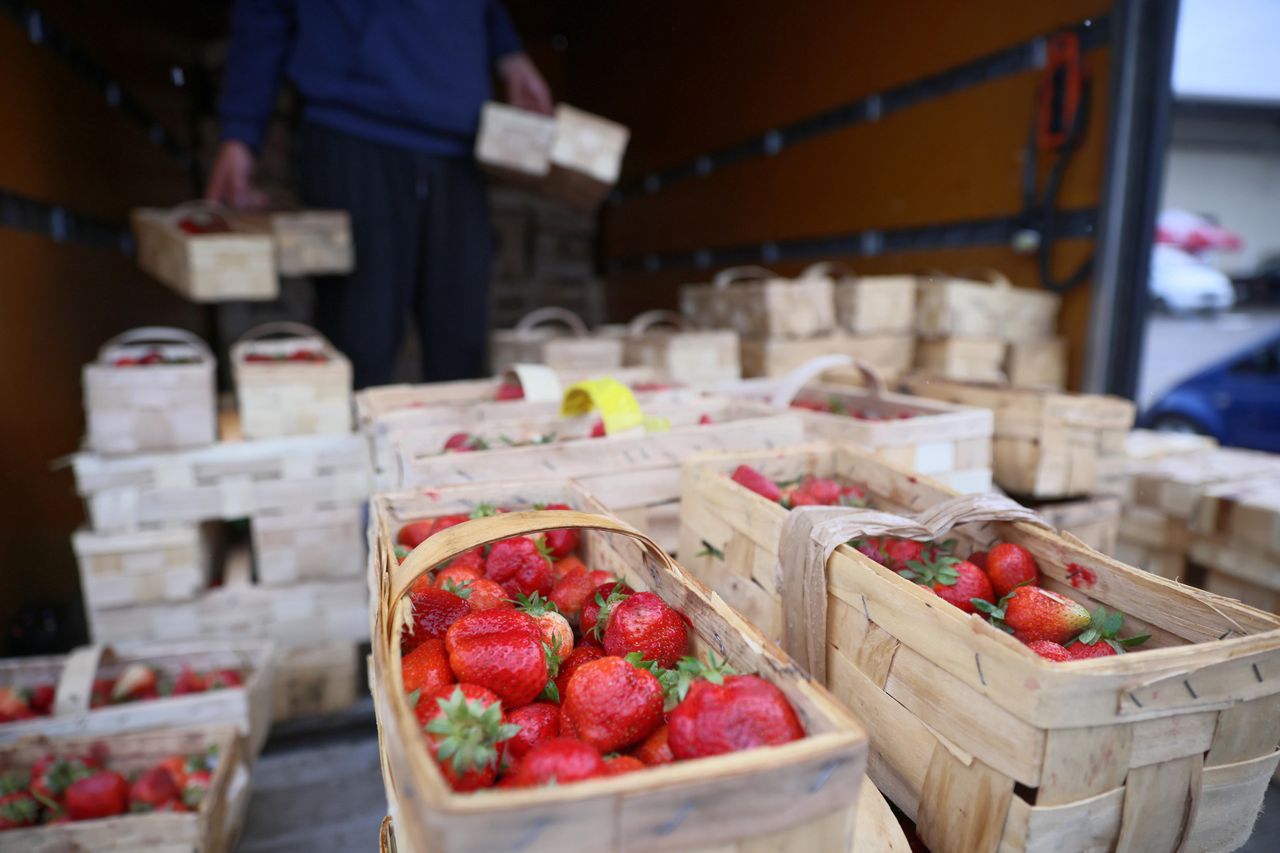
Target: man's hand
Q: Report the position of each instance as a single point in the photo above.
(231, 181)
(524, 85)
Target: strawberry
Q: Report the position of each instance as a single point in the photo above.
(705, 420)
(581, 654)
(824, 491)
(852, 496)
(1031, 613)
(464, 442)
(1100, 639)
(595, 613)
(899, 552)
(558, 761)
(957, 582)
(619, 764)
(557, 635)
(432, 612)
(195, 787)
(426, 669)
(538, 722)
(567, 565)
(979, 559)
(189, 681)
(456, 574)
(1049, 650)
(611, 703)
(415, 533)
(561, 543)
(752, 479)
(520, 566)
(100, 794)
(481, 594)
(655, 749)
(41, 698)
(598, 429)
(467, 731)
(50, 777)
(17, 808)
(13, 705)
(137, 682)
(871, 547)
(567, 729)
(743, 712)
(644, 623)
(500, 650)
(152, 790)
(177, 767)
(225, 678)
(1010, 565)
(510, 390)
(600, 576)
(570, 594)
(101, 693)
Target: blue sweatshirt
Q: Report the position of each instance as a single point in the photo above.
(411, 73)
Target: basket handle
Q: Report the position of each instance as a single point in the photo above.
(811, 534)
(641, 323)
(750, 272)
(75, 684)
(157, 335)
(833, 269)
(795, 381)
(988, 274)
(552, 314)
(282, 329)
(452, 541)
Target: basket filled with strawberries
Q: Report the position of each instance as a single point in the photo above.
(151, 388)
(172, 789)
(199, 250)
(548, 674)
(290, 381)
(98, 690)
(1020, 689)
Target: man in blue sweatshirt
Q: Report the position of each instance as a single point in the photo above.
(391, 92)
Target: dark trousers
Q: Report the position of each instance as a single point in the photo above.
(420, 224)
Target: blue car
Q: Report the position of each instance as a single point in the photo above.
(1237, 401)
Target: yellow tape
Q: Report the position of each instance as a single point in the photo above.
(616, 403)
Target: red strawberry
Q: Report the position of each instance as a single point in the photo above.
(481, 594)
(899, 552)
(510, 391)
(426, 668)
(1009, 565)
(101, 794)
(457, 574)
(537, 723)
(979, 559)
(852, 496)
(619, 764)
(415, 533)
(824, 491)
(500, 650)
(225, 678)
(17, 808)
(1031, 613)
(599, 577)
(50, 777)
(152, 790)
(177, 767)
(1101, 638)
(189, 681)
(137, 682)
(101, 694)
(13, 706)
(612, 703)
(566, 566)
(752, 479)
(598, 430)
(567, 728)
(432, 612)
(957, 582)
(871, 547)
(596, 610)
(557, 760)
(644, 623)
(557, 635)
(1083, 651)
(519, 566)
(197, 785)
(743, 712)
(561, 543)
(1049, 650)
(41, 698)
(571, 592)
(582, 654)
(705, 420)
(655, 749)
(464, 442)
(468, 730)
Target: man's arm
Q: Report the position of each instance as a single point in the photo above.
(524, 86)
(261, 33)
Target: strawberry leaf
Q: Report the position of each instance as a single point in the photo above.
(709, 550)
(484, 510)
(1133, 641)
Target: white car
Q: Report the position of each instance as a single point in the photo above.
(1181, 282)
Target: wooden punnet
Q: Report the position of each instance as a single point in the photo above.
(1094, 521)
(307, 242)
(247, 708)
(211, 828)
(686, 356)
(1047, 445)
(320, 678)
(636, 474)
(1037, 364)
(318, 544)
(531, 341)
(963, 359)
(984, 744)
(585, 156)
(872, 304)
(799, 796)
(146, 408)
(143, 566)
(890, 354)
(514, 144)
(983, 304)
(290, 397)
(759, 303)
(217, 267)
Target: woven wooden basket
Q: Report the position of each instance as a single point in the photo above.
(872, 304)
(211, 828)
(728, 803)
(963, 359)
(983, 304)
(585, 156)
(150, 407)
(289, 397)
(759, 303)
(143, 566)
(307, 242)
(684, 355)
(218, 267)
(1037, 364)
(892, 355)
(1047, 445)
(514, 144)
(986, 745)
(532, 341)
(247, 708)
